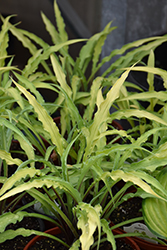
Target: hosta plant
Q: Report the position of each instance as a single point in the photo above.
(154, 210)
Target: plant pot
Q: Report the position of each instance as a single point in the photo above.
(52, 231)
(128, 240)
(56, 231)
(143, 244)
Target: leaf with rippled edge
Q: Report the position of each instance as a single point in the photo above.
(47, 121)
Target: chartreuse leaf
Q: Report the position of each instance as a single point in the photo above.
(150, 76)
(29, 85)
(11, 234)
(100, 42)
(72, 108)
(154, 210)
(64, 159)
(4, 39)
(39, 182)
(75, 85)
(92, 49)
(48, 181)
(153, 70)
(60, 23)
(8, 158)
(151, 162)
(47, 121)
(96, 84)
(51, 29)
(87, 51)
(88, 222)
(140, 179)
(8, 218)
(162, 95)
(5, 69)
(103, 112)
(60, 35)
(61, 77)
(26, 147)
(133, 56)
(58, 47)
(17, 176)
(107, 230)
(75, 245)
(138, 113)
(16, 95)
(23, 36)
(2, 179)
(11, 126)
(33, 37)
(23, 39)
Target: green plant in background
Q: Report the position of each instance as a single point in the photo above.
(59, 68)
(156, 102)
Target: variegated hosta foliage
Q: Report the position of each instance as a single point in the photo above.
(154, 210)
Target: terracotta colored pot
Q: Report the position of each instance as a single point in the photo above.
(128, 240)
(52, 231)
(56, 230)
(143, 244)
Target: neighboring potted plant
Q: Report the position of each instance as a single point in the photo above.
(154, 213)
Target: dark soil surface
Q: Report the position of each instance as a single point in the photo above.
(45, 244)
(127, 210)
(121, 245)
